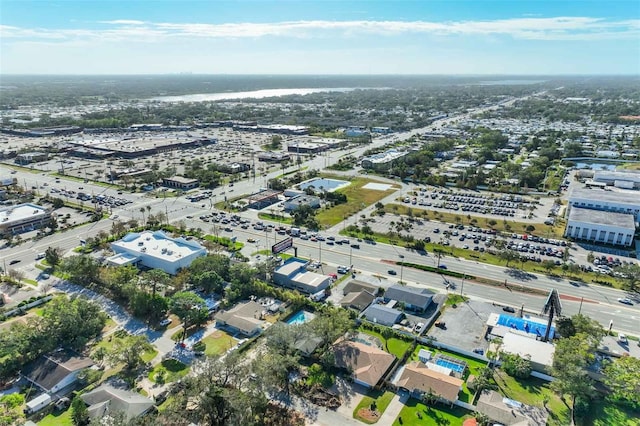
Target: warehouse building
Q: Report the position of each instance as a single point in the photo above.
(626, 180)
(22, 218)
(612, 201)
(31, 157)
(600, 226)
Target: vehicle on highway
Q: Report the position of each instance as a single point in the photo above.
(392, 272)
(14, 261)
(442, 266)
(251, 240)
(355, 246)
(509, 309)
(625, 300)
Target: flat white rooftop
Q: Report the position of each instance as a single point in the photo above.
(21, 212)
(159, 245)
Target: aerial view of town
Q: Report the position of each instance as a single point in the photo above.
(319, 213)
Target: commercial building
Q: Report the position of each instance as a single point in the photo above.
(180, 182)
(306, 147)
(155, 250)
(262, 199)
(301, 200)
(610, 201)
(627, 180)
(31, 157)
(383, 161)
(600, 226)
(22, 218)
(293, 274)
(132, 145)
(273, 157)
(539, 353)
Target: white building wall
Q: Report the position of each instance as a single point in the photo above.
(630, 207)
(606, 234)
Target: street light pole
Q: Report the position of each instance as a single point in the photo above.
(462, 286)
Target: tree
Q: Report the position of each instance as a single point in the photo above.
(515, 365)
(631, 275)
(155, 278)
(127, 350)
(211, 263)
(508, 256)
(190, 308)
(572, 356)
(622, 376)
(73, 322)
(79, 412)
(81, 269)
(53, 256)
(548, 265)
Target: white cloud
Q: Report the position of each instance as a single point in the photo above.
(532, 28)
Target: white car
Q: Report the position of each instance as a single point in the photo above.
(165, 322)
(622, 338)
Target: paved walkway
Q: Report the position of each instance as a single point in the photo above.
(393, 409)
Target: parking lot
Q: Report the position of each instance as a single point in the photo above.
(465, 325)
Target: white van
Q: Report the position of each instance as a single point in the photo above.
(40, 256)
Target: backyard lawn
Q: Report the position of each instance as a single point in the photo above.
(417, 413)
(357, 199)
(218, 342)
(394, 345)
(171, 369)
(532, 391)
(473, 367)
(605, 413)
(57, 418)
(382, 400)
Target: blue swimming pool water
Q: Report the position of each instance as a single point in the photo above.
(450, 365)
(300, 317)
(326, 184)
(523, 324)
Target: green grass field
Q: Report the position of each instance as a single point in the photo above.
(419, 414)
(357, 199)
(218, 342)
(394, 345)
(171, 369)
(57, 418)
(531, 391)
(382, 400)
(281, 218)
(605, 413)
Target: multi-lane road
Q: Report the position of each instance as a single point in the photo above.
(598, 302)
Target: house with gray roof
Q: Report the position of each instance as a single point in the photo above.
(244, 318)
(413, 298)
(105, 401)
(383, 315)
(57, 370)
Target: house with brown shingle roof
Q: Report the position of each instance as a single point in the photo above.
(416, 378)
(368, 364)
(57, 370)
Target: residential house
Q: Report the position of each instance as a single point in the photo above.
(383, 315)
(368, 364)
(357, 300)
(56, 371)
(509, 412)
(105, 401)
(355, 286)
(414, 298)
(244, 318)
(420, 380)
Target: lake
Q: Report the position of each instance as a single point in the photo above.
(254, 94)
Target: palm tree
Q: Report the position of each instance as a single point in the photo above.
(142, 211)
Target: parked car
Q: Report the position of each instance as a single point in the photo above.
(622, 338)
(165, 322)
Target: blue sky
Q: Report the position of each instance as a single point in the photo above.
(320, 37)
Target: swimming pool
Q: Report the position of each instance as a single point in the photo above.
(327, 185)
(301, 317)
(450, 365)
